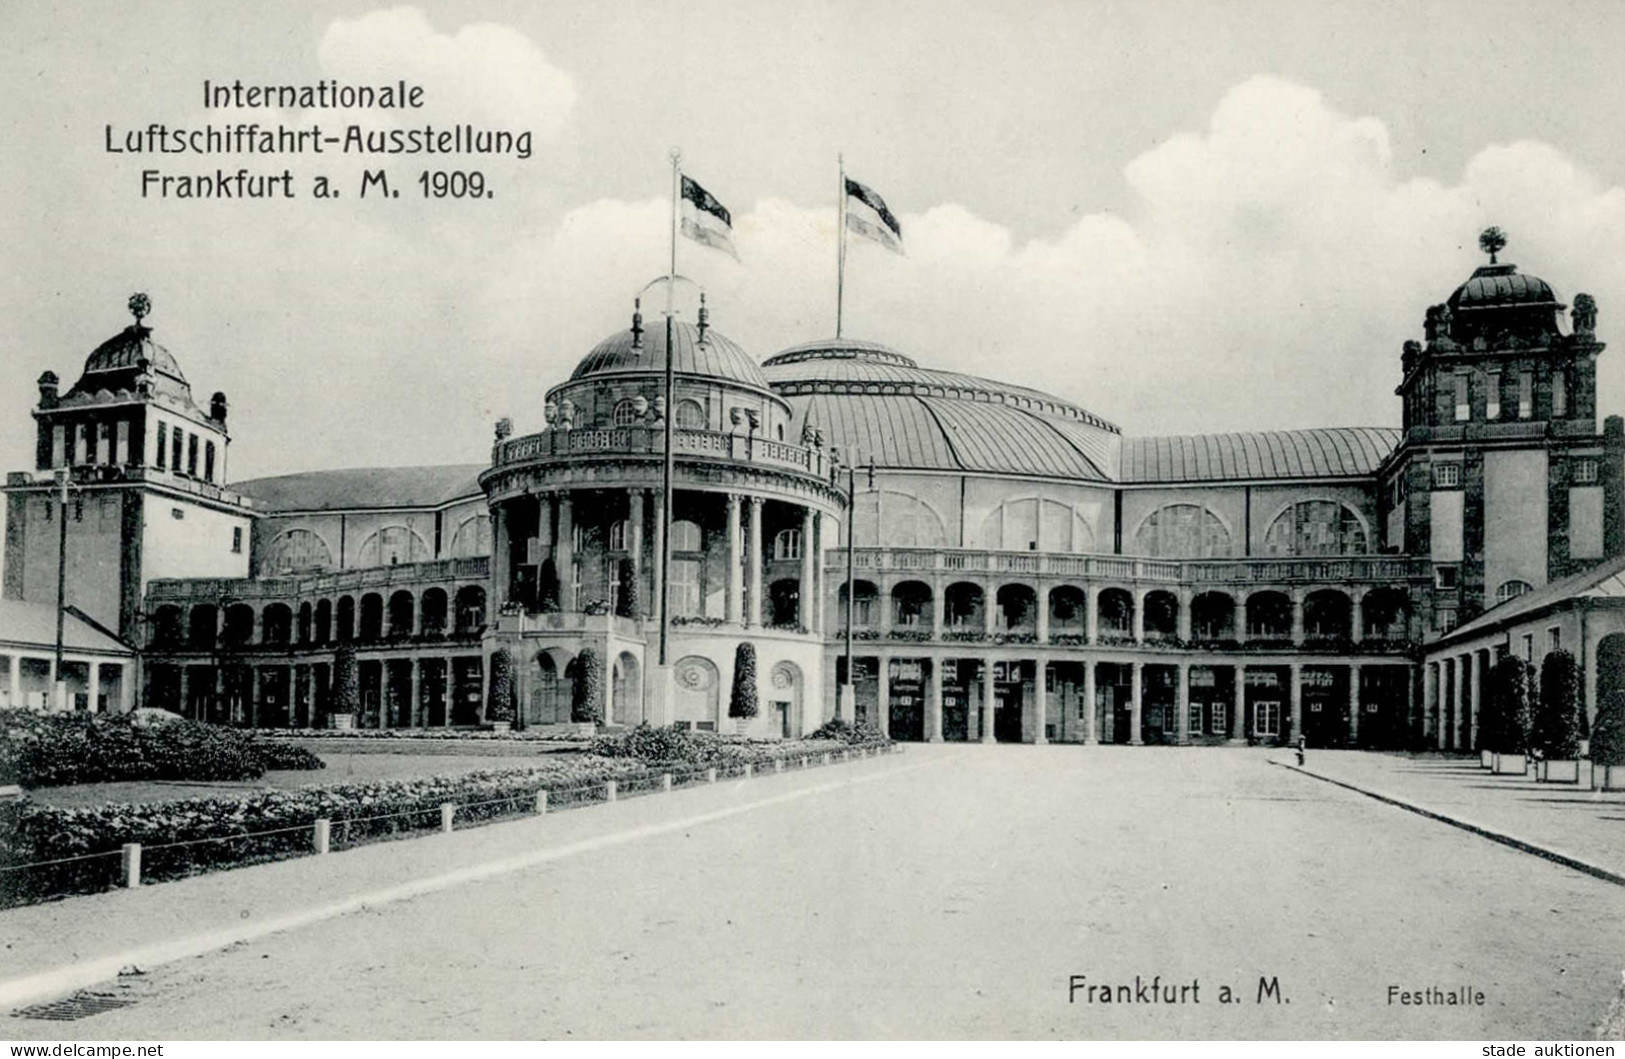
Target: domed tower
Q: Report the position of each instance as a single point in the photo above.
(1502, 478)
(145, 467)
(579, 508)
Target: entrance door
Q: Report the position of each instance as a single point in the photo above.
(781, 710)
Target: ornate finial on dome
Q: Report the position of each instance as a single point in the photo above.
(705, 317)
(637, 323)
(140, 306)
(1492, 241)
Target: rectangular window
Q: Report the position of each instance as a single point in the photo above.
(191, 455)
(175, 449)
(237, 540)
(104, 443)
(1528, 647)
(1195, 718)
(1464, 407)
(1447, 475)
(1560, 394)
(1444, 577)
(1526, 394)
(161, 457)
(575, 583)
(1446, 619)
(208, 461)
(1220, 714)
(685, 588)
(121, 451)
(1492, 404)
(1266, 718)
(1554, 638)
(82, 443)
(1585, 471)
(59, 446)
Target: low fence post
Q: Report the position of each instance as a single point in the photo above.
(610, 790)
(541, 802)
(323, 836)
(447, 811)
(711, 775)
(750, 770)
(665, 781)
(131, 863)
(826, 758)
(778, 764)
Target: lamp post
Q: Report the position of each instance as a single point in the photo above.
(59, 685)
(846, 701)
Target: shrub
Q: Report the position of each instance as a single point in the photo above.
(851, 734)
(1558, 721)
(1608, 733)
(742, 701)
(587, 697)
(501, 700)
(346, 683)
(1504, 720)
(628, 604)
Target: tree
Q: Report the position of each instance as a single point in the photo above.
(1557, 726)
(742, 700)
(547, 592)
(1508, 713)
(501, 699)
(1608, 733)
(587, 697)
(347, 683)
(629, 604)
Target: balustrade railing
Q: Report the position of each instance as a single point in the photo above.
(1295, 569)
(651, 441)
(213, 589)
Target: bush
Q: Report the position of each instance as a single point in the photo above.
(587, 697)
(1608, 733)
(1504, 722)
(1558, 721)
(666, 747)
(742, 701)
(56, 749)
(850, 734)
(501, 699)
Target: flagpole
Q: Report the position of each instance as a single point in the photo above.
(840, 240)
(667, 465)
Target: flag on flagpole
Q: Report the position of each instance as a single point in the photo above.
(705, 220)
(867, 215)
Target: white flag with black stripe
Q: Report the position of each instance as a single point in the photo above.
(867, 215)
(705, 220)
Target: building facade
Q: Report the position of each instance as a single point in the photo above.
(1019, 569)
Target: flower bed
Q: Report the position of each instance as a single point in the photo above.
(405, 734)
(672, 746)
(53, 749)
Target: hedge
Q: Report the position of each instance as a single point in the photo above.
(675, 746)
(55, 749)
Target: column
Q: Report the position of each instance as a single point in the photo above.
(564, 555)
(1040, 701)
(126, 687)
(253, 696)
(736, 566)
(414, 699)
(988, 705)
(1238, 722)
(753, 571)
(938, 605)
(883, 694)
(1354, 705)
(807, 593)
(1139, 627)
(1478, 699)
(1091, 734)
(933, 700)
(1296, 692)
(16, 681)
(990, 610)
(1297, 618)
(1134, 706)
(1182, 716)
(1091, 617)
(1043, 614)
(1185, 615)
(657, 549)
(501, 557)
(94, 688)
(1430, 699)
(1447, 701)
(186, 687)
(449, 696)
(1357, 618)
(634, 547)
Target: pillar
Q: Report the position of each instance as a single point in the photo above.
(1043, 614)
(990, 610)
(1296, 692)
(1238, 720)
(126, 687)
(1447, 701)
(736, 567)
(988, 703)
(933, 701)
(1182, 715)
(1040, 701)
(1091, 619)
(883, 694)
(186, 687)
(1354, 705)
(1091, 734)
(753, 569)
(1139, 632)
(414, 703)
(564, 552)
(253, 696)
(1185, 615)
(938, 605)
(501, 558)
(657, 548)
(93, 687)
(1134, 705)
(1357, 618)
(16, 681)
(1478, 699)
(1297, 622)
(807, 591)
(634, 546)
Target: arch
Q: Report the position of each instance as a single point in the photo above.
(370, 620)
(912, 605)
(1508, 590)
(864, 595)
(784, 603)
(1068, 611)
(550, 687)
(472, 538)
(784, 690)
(1385, 614)
(345, 620)
(168, 626)
(307, 615)
(626, 690)
(470, 609)
(1115, 612)
(963, 604)
(690, 415)
(1018, 608)
(1213, 616)
(1269, 616)
(400, 614)
(390, 545)
(1328, 615)
(1035, 522)
(202, 625)
(433, 609)
(787, 544)
(276, 624)
(322, 627)
(698, 687)
(1183, 531)
(686, 536)
(238, 626)
(296, 549)
(1161, 615)
(1316, 527)
(909, 522)
(620, 531)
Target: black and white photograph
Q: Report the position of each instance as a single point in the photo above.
(879, 520)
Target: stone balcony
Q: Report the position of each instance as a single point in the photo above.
(326, 583)
(1305, 570)
(650, 441)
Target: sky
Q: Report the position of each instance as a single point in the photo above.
(1185, 217)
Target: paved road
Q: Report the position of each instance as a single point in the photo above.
(950, 900)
